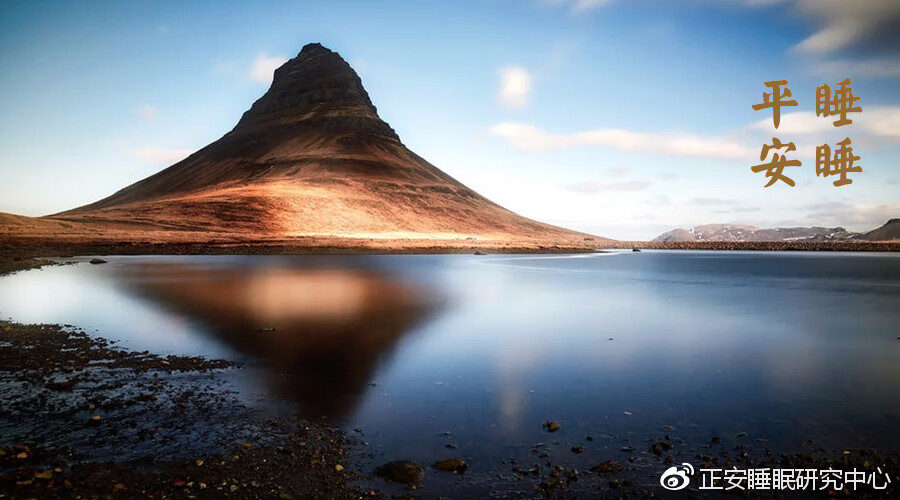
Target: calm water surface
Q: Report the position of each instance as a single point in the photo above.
(477, 351)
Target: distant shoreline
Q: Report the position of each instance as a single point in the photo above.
(18, 253)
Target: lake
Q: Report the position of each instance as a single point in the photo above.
(437, 356)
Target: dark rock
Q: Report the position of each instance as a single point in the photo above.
(401, 471)
(551, 426)
(578, 449)
(97, 261)
(607, 467)
(62, 385)
(660, 447)
(454, 465)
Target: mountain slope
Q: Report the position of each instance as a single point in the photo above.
(311, 157)
(890, 231)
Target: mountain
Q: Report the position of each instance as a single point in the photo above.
(311, 158)
(733, 232)
(890, 231)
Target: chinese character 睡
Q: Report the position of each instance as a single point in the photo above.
(841, 104)
(840, 164)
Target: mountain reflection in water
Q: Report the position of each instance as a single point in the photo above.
(319, 332)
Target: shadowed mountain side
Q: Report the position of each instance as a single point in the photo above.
(320, 333)
(310, 158)
(890, 231)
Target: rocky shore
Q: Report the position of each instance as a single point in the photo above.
(80, 418)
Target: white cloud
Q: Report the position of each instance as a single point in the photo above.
(515, 86)
(264, 66)
(147, 112)
(161, 156)
(799, 122)
(530, 138)
(600, 186)
(883, 121)
(620, 170)
(846, 22)
(879, 121)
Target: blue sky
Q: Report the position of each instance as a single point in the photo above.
(621, 118)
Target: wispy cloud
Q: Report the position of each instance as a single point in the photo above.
(799, 122)
(578, 6)
(161, 156)
(147, 112)
(515, 87)
(883, 121)
(264, 66)
(879, 121)
(709, 201)
(591, 187)
(845, 23)
(851, 37)
(881, 67)
(531, 138)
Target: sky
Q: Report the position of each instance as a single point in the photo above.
(622, 118)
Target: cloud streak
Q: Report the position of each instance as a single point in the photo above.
(591, 187)
(878, 121)
(530, 138)
(845, 23)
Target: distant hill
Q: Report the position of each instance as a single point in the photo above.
(888, 232)
(734, 232)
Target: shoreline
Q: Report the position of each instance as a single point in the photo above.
(17, 254)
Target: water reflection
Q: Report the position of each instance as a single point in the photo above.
(320, 332)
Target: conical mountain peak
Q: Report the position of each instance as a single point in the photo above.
(311, 158)
(318, 88)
